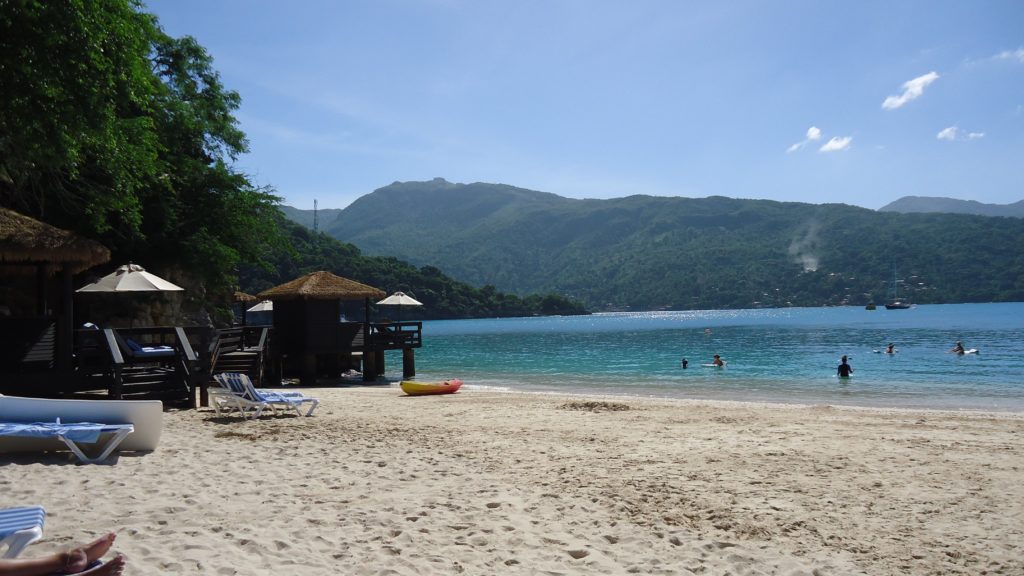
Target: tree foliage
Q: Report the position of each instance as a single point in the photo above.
(112, 128)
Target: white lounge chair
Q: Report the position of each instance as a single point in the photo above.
(20, 527)
(73, 435)
(242, 387)
(226, 402)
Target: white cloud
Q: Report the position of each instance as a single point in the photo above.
(952, 134)
(813, 133)
(912, 89)
(1017, 55)
(836, 144)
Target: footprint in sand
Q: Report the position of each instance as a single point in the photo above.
(577, 554)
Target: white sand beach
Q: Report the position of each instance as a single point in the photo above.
(485, 482)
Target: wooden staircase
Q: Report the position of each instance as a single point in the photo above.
(241, 350)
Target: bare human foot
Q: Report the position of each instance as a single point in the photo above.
(79, 559)
(113, 567)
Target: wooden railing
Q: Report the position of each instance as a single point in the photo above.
(252, 342)
(104, 354)
(396, 335)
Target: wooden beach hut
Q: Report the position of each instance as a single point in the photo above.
(310, 336)
(37, 263)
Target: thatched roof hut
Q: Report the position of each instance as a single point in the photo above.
(27, 244)
(37, 262)
(308, 320)
(322, 285)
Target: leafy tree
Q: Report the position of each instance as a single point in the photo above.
(112, 128)
(76, 132)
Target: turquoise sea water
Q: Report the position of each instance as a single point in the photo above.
(775, 355)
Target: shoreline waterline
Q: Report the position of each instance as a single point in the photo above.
(751, 404)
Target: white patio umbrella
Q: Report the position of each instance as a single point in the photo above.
(261, 313)
(130, 278)
(400, 299)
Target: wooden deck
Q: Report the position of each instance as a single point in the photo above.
(331, 349)
(104, 365)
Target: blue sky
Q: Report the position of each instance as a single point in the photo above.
(806, 101)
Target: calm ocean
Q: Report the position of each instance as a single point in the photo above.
(774, 355)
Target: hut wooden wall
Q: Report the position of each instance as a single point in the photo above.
(307, 326)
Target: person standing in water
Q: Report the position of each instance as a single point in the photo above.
(890, 349)
(958, 349)
(845, 369)
(718, 361)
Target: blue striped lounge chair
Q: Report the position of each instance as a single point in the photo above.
(20, 527)
(73, 435)
(241, 386)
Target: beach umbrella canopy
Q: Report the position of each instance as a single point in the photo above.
(130, 278)
(400, 299)
(265, 306)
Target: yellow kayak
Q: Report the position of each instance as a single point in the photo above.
(421, 388)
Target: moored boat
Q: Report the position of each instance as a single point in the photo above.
(896, 303)
(422, 388)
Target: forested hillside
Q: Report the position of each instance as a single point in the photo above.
(655, 252)
(442, 297)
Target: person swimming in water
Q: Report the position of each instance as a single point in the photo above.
(718, 361)
(890, 349)
(844, 369)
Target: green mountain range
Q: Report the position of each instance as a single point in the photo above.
(910, 204)
(645, 252)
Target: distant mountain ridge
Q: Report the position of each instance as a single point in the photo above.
(932, 204)
(305, 217)
(659, 252)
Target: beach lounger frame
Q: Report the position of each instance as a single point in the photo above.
(116, 433)
(20, 527)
